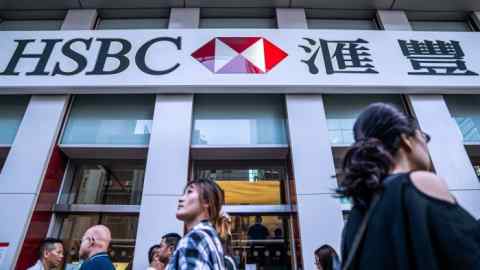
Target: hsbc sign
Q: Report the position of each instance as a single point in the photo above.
(202, 60)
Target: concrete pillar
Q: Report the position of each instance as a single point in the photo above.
(319, 214)
(26, 163)
(167, 161)
(24, 169)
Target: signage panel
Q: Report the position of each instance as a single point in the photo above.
(205, 60)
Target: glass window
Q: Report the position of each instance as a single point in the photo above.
(122, 227)
(238, 23)
(106, 182)
(342, 111)
(262, 242)
(110, 119)
(150, 23)
(466, 112)
(342, 24)
(476, 167)
(30, 25)
(2, 161)
(239, 120)
(12, 109)
(247, 186)
(446, 26)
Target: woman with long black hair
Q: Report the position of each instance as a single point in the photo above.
(403, 216)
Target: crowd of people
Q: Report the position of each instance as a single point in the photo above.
(403, 215)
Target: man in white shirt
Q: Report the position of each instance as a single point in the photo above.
(50, 255)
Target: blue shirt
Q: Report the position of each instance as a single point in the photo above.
(99, 261)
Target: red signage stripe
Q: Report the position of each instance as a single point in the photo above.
(273, 54)
(239, 44)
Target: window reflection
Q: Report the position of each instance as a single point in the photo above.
(466, 113)
(342, 110)
(123, 229)
(103, 182)
(110, 119)
(239, 120)
(262, 242)
(12, 109)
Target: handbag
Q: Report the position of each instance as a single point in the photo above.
(361, 233)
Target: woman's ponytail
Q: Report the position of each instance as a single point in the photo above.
(365, 165)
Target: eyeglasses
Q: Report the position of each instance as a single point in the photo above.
(425, 136)
(88, 239)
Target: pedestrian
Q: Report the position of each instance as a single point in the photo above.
(199, 208)
(50, 255)
(153, 258)
(326, 258)
(168, 244)
(224, 229)
(403, 216)
(94, 247)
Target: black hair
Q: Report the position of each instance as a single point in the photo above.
(172, 239)
(327, 257)
(151, 251)
(377, 132)
(48, 244)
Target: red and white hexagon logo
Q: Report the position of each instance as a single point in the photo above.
(226, 55)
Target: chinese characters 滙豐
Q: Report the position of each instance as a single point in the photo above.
(340, 56)
(353, 56)
(435, 57)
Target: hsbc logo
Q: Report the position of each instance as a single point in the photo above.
(227, 55)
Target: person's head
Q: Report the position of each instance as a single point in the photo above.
(51, 252)
(258, 219)
(224, 225)
(278, 233)
(325, 258)
(224, 229)
(153, 254)
(385, 139)
(202, 199)
(95, 240)
(167, 246)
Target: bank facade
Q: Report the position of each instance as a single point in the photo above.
(108, 108)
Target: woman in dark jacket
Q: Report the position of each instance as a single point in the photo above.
(416, 223)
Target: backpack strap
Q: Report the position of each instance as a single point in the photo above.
(361, 233)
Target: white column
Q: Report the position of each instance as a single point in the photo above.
(447, 151)
(476, 18)
(319, 214)
(167, 161)
(80, 19)
(27, 161)
(393, 20)
(184, 18)
(24, 169)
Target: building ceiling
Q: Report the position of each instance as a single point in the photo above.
(46, 6)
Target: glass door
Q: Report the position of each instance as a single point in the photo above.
(258, 198)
